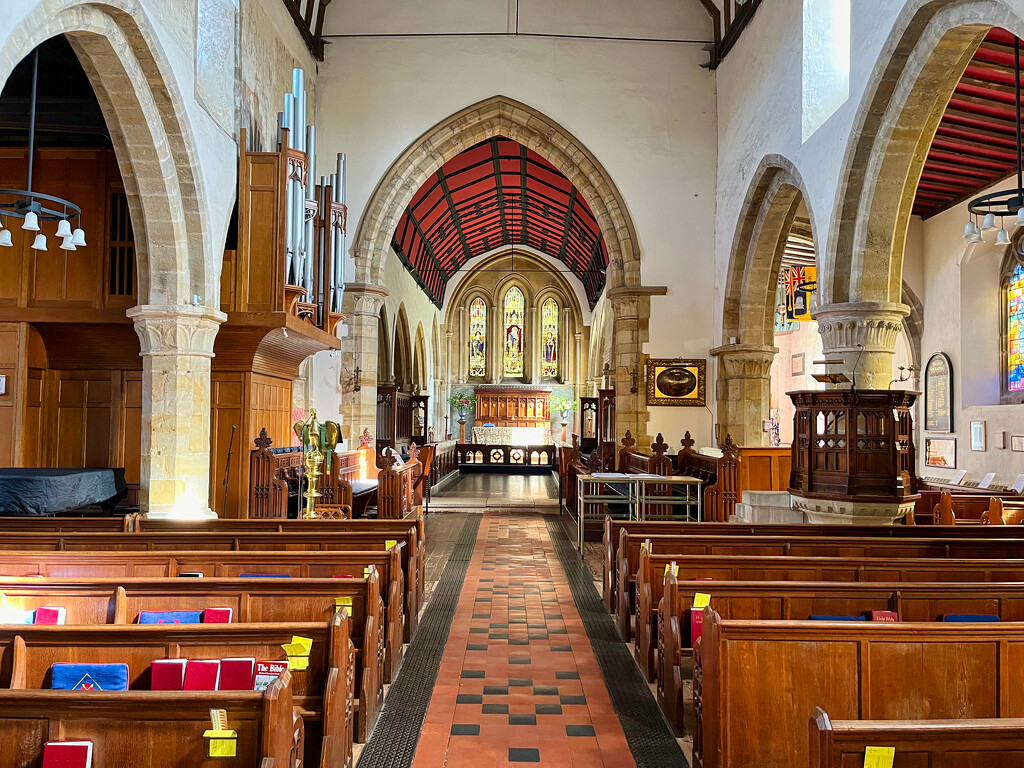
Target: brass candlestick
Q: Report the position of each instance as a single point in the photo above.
(315, 437)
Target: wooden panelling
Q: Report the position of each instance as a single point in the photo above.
(260, 234)
(250, 401)
(86, 405)
(130, 432)
(765, 469)
(56, 277)
(10, 346)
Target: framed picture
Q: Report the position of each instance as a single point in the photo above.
(938, 394)
(940, 452)
(978, 436)
(1017, 443)
(677, 382)
(798, 365)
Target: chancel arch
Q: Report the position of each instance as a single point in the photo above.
(554, 146)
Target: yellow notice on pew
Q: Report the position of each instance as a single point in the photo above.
(389, 543)
(221, 743)
(701, 600)
(298, 652)
(342, 602)
(879, 757)
(674, 568)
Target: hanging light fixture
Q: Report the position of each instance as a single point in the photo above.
(35, 207)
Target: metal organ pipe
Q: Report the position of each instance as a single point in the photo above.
(308, 222)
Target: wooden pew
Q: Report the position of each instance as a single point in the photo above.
(628, 553)
(976, 743)
(275, 476)
(396, 487)
(328, 729)
(156, 729)
(720, 476)
(353, 542)
(644, 529)
(1003, 512)
(650, 585)
(756, 683)
(253, 601)
(297, 565)
(793, 600)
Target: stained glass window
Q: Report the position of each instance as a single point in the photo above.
(478, 338)
(514, 305)
(549, 338)
(1015, 330)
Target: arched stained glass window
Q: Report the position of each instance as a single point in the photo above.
(478, 338)
(514, 306)
(549, 338)
(1015, 330)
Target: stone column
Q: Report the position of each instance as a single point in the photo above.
(744, 392)
(177, 347)
(531, 343)
(460, 369)
(863, 335)
(577, 364)
(495, 348)
(362, 303)
(631, 315)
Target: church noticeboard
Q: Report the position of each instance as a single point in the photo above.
(938, 394)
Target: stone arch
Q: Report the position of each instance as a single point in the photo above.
(402, 369)
(150, 131)
(496, 116)
(923, 59)
(748, 318)
(419, 362)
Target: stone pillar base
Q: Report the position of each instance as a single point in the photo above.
(832, 512)
(767, 507)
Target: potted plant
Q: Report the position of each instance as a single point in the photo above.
(462, 402)
(563, 404)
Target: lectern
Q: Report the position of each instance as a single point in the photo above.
(853, 455)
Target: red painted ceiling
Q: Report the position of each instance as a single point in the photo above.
(974, 146)
(493, 194)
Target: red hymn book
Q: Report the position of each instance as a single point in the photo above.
(67, 754)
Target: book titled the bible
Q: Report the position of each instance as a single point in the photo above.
(267, 672)
(237, 674)
(202, 675)
(67, 754)
(51, 615)
(168, 674)
(217, 616)
(695, 625)
(883, 616)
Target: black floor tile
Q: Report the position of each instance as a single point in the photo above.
(579, 730)
(524, 755)
(465, 729)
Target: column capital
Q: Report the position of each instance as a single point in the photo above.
(176, 329)
(870, 325)
(745, 361)
(364, 298)
(629, 300)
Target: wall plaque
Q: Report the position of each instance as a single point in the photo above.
(676, 382)
(940, 452)
(938, 394)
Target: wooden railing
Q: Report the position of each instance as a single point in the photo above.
(394, 416)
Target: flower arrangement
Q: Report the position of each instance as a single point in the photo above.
(462, 401)
(563, 404)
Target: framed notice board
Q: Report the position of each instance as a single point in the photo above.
(938, 394)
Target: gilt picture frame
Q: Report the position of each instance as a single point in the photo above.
(677, 382)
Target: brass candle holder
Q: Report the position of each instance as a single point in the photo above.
(318, 441)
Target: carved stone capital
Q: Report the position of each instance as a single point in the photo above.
(364, 299)
(872, 326)
(176, 329)
(633, 300)
(745, 361)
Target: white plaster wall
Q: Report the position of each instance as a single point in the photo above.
(963, 313)
(645, 110)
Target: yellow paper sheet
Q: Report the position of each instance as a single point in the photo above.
(222, 743)
(879, 757)
(390, 543)
(701, 600)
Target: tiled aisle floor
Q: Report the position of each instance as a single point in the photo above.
(518, 683)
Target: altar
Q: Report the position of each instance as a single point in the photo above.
(494, 435)
(513, 432)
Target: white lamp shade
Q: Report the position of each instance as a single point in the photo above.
(976, 238)
(31, 222)
(1020, 217)
(79, 237)
(67, 244)
(969, 229)
(1002, 238)
(5, 239)
(64, 228)
(39, 244)
(989, 222)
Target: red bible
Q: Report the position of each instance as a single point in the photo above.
(168, 674)
(237, 674)
(883, 616)
(217, 616)
(202, 675)
(51, 615)
(695, 625)
(67, 754)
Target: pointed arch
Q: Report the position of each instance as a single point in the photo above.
(497, 116)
